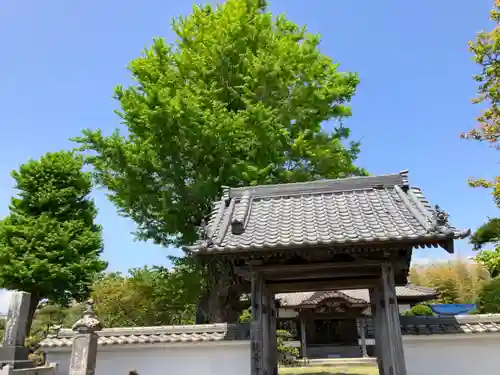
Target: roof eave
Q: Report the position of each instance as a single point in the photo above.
(439, 240)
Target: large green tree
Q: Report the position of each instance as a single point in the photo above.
(49, 243)
(241, 98)
(486, 52)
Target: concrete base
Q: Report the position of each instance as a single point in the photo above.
(339, 362)
(16, 356)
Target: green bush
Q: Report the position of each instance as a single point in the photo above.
(489, 298)
(245, 317)
(419, 310)
(287, 355)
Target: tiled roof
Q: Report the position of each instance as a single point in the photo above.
(155, 335)
(418, 325)
(402, 292)
(349, 211)
(319, 297)
(432, 325)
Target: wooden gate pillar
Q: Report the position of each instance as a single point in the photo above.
(391, 316)
(257, 325)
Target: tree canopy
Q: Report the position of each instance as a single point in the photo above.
(49, 243)
(486, 51)
(456, 281)
(239, 99)
(489, 298)
(147, 297)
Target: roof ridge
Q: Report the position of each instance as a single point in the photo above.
(420, 288)
(321, 186)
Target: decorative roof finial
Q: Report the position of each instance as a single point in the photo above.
(405, 183)
(440, 217)
(89, 322)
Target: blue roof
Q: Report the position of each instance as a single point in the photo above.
(452, 309)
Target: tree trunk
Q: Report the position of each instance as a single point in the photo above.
(219, 305)
(202, 309)
(34, 301)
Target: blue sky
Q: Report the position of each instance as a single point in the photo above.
(62, 60)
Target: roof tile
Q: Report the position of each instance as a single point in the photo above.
(473, 324)
(155, 335)
(468, 324)
(408, 291)
(346, 211)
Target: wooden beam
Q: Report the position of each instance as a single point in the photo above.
(288, 276)
(272, 271)
(272, 268)
(322, 285)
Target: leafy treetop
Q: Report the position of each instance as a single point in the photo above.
(239, 99)
(49, 243)
(486, 50)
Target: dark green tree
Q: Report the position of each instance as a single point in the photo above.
(489, 298)
(488, 234)
(241, 98)
(49, 243)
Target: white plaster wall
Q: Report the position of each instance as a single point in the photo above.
(404, 308)
(466, 354)
(287, 313)
(228, 358)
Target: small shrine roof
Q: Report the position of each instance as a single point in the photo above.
(356, 296)
(356, 211)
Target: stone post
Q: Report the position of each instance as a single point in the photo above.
(13, 351)
(84, 352)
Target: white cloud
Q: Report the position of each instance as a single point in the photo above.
(4, 300)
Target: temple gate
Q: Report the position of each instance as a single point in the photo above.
(351, 233)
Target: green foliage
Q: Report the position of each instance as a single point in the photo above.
(287, 355)
(486, 233)
(246, 316)
(486, 51)
(489, 298)
(148, 297)
(490, 259)
(49, 243)
(240, 99)
(456, 281)
(419, 310)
